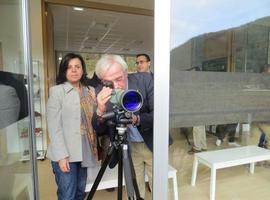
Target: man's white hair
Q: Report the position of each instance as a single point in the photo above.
(106, 61)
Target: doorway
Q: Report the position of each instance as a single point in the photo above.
(91, 29)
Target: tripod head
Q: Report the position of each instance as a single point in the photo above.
(118, 116)
(120, 119)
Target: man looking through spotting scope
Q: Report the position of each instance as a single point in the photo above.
(140, 132)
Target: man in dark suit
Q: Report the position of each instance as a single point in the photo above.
(143, 63)
(140, 133)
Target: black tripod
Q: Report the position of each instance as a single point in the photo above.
(119, 147)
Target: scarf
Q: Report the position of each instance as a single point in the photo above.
(88, 103)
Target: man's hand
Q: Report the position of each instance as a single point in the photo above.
(102, 98)
(135, 119)
(64, 165)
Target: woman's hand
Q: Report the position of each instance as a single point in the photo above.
(102, 98)
(64, 165)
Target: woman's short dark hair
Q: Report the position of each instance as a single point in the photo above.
(61, 78)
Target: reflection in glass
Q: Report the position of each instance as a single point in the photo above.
(218, 41)
(209, 108)
(13, 98)
(15, 175)
(208, 40)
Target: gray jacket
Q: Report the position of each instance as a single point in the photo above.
(64, 120)
(9, 105)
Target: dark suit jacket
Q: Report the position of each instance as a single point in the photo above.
(143, 82)
(9, 105)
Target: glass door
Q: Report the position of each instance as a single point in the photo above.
(17, 174)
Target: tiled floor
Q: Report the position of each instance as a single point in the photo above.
(234, 183)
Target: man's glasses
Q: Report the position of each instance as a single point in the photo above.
(140, 62)
(113, 83)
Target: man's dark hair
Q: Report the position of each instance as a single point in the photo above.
(61, 78)
(145, 55)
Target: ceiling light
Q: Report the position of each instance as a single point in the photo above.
(60, 57)
(78, 8)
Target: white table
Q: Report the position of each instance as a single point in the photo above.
(228, 158)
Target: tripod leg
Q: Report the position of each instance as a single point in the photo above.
(136, 188)
(120, 175)
(130, 176)
(101, 172)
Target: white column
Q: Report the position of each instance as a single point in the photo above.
(161, 99)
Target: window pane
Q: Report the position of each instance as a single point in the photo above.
(131, 60)
(15, 162)
(219, 90)
(90, 60)
(206, 40)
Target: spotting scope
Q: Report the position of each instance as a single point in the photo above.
(129, 100)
